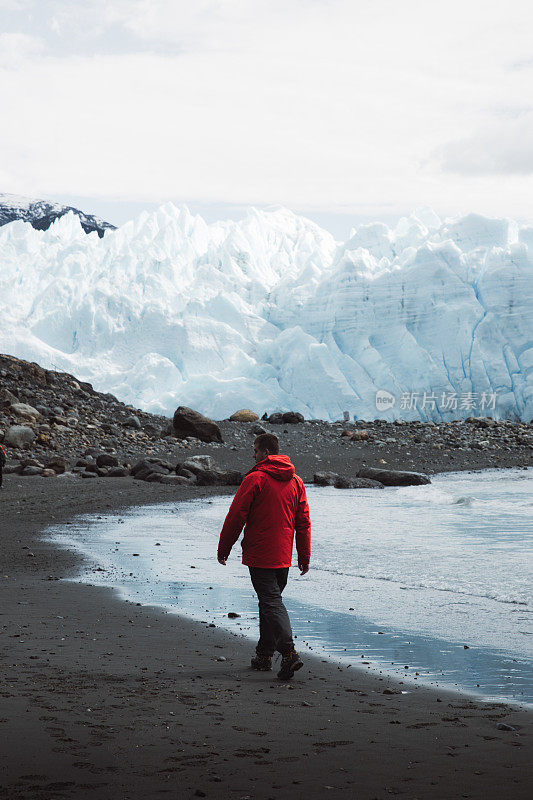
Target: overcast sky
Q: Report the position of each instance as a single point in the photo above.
(336, 108)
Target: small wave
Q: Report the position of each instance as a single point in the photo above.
(431, 585)
(466, 500)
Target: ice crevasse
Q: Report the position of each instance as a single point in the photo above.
(429, 320)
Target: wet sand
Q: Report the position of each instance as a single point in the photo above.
(105, 699)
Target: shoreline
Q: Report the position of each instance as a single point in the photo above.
(106, 699)
(376, 666)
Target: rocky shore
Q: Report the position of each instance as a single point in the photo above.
(106, 699)
(52, 424)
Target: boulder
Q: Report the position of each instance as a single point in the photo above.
(6, 397)
(361, 435)
(186, 473)
(244, 415)
(392, 477)
(356, 483)
(31, 470)
(12, 469)
(276, 418)
(146, 470)
(153, 431)
(18, 436)
(208, 477)
(292, 417)
(31, 462)
(149, 465)
(57, 463)
(48, 473)
(187, 422)
(25, 411)
(117, 472)
(106, 460)
(88, 474)
(325, 478)
(154, 477)
(132, 422)
(257, 429)
(203, 461)
(231, 478)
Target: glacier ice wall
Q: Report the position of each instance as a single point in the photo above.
(429, 320)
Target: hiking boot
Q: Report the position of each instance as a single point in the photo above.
(261, 663)
(290, 662)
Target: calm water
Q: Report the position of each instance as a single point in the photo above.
(401, 578)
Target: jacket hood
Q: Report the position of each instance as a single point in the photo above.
(278, 467)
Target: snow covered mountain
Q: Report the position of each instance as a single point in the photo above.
(41, 213)
(430, 320)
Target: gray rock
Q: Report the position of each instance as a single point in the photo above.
(257, 429)
(185, 473)
(152, 430)
(357, 483)
(117, 472)
(325, 478)
(25, 411)
(18, 436)
(12, 469)
(143, 468)
(132, 422)
(231, 478)
(57, 463)
(187, 422)
(292, 417)
(154, 477)
(6, 397)
(391, 477)
(203, 461)
(88, 474)
(31, 470)
(106, 460)
(276, 418)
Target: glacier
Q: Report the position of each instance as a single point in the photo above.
(428, 320)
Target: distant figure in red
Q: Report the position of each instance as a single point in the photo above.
(3, 459)
(272, 504)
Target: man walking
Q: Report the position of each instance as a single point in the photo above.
(271, 502)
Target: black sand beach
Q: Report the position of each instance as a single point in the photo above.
(105, 699)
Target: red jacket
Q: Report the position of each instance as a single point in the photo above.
(271, 500)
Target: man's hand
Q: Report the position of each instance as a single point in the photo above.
(221, 561)
(303, 568)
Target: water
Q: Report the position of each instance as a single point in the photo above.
(401, 580)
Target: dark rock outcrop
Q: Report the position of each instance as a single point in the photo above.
(392, 477)
(187, 422)
(42, 213)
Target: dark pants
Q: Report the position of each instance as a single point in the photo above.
(274, 625)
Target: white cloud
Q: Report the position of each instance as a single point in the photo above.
(503, 148)
(17, 48)
(348, 104)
